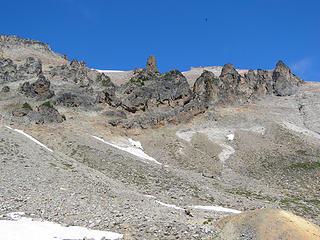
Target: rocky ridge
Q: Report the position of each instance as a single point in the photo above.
(148, 98)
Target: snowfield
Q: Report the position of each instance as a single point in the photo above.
(28, 229)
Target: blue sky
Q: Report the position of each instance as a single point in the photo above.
(121, 34)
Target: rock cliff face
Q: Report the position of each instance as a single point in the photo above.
(147, 99)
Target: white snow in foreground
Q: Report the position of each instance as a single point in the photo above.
(302, 130)
(133, 150)
(107, 71)
(216, 208)
(30, 137)
(27, 229)
(169, 205)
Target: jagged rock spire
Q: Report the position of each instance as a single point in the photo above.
(151, 64)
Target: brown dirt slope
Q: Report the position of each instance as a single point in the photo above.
(267, 224)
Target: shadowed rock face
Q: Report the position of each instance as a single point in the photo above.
(285, 83)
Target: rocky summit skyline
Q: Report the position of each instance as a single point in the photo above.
(210, 153)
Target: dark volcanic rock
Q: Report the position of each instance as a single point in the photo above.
(71, 99)
(154, 98)
(50, 114)
(75, 72)
(285, 83)
(45, 113)
(151, 64)
(208, 88)
(261, 82)
(8, 70)
(39, 89)
(32, 68)
(232, 88)
(5, 89)
(147, 89)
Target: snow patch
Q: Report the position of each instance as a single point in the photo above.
(149, 196)
(135, 143)
(27, 229)
(107, 71)
(133, 150)
(169, 205)
(216, 208)
(30, 137)
(230, 137)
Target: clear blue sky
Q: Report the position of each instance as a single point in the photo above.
(121, 34)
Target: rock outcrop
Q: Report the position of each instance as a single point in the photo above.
(10, 72)
(44, 114)
(231, 87)
(40, 89)
(151, 64)
(285, 83)
(75, 72)
(74, 99)
(152, 98)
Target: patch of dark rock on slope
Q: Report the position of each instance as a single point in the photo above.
(40, 89)
(11, 72)
(43, 114)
